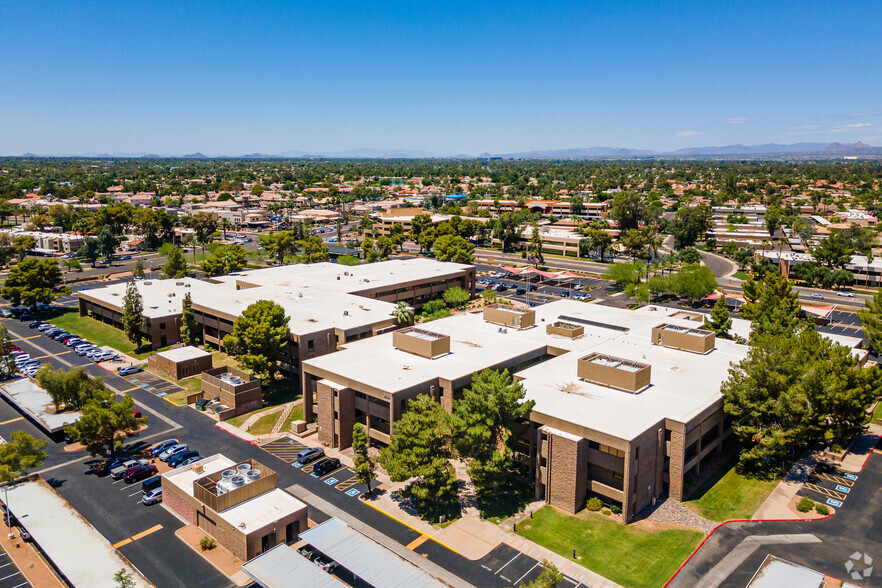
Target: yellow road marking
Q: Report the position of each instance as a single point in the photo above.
(130, 390)
(27, 338)
(12, 420)
(417, 542)
(826, 492)
(334, 472)
(378, 509)
(140, 535)
(837, 479)
(143, 534)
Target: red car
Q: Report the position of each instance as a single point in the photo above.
(139, 472)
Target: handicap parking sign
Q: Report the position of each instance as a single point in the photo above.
(314, 475)
(353, 492)
(834, 502)
(297, 464)
(851, 477)
(331, 481)
(844, 489)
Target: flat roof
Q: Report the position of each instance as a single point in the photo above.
(76, 548)
(183, 477)
(35, 401)
(183, 353)
(474, 346)
(366, 558)
(776, 572)
(277, 567)
(261, 510)
(161, 298)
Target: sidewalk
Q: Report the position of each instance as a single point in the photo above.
(33, 567)
(777, 505)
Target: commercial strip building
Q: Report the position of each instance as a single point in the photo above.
(34, 401)
(628, 403)
(866, 271)
(74, 547)
(236, 503)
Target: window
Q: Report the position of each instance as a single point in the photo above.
(161, 326)
(636, 453)
(310, 345)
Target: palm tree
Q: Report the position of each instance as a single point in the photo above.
(225, 224)
(403, 313)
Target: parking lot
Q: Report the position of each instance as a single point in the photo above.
(342, 479)
(10, 575)
(152, 383)
(829, 485)
(516, 568)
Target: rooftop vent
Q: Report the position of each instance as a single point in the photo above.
(509, 316)
(685, 338)
(614, 372)
(421, 342)
(564, 329)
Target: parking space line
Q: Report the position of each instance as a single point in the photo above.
(10, 576)
(837, 479)
(21, 418)
(334, 472)
(417, 542)
(509, 561)
(518, 581)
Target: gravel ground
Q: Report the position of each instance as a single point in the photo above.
(671, 511)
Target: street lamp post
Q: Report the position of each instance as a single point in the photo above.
(8, 515)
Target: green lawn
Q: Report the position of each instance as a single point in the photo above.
(95, 331)
(264, 424)
(296, 415)
(623, 553)
(728, 495)
(740, 274)
(237, 421)
(877, 413)
(511, 499)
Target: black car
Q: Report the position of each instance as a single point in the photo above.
(35, 324)
(176, 460)
(326, 466)
(308, 455)
(27, 316)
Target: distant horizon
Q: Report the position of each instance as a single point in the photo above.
(567, 152)
(451, 78)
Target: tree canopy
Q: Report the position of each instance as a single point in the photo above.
(106, 423)
(34, 280)
(770, 304)
(20, 453)
(260, 338)
(133, 314)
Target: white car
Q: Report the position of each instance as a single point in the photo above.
(845, 294)
(152, 496)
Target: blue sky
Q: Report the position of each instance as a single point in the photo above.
(446, 77)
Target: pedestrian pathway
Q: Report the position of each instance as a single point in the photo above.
(287, 408)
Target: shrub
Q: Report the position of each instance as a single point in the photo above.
(207, 543)
(594, 504)
(822, 509)
(805, 504)
(836, 448)
(606, 512)
(616, 509)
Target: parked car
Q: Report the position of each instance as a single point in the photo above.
(45, 327)
(116, 461)
(176, 460)
(85, 349)
(309, 455)
(35, 324)
(129, 370)
(151, 483)
(160, 447)
(73, 341)
(328, 565)
(307, 552)
(165, 455)
(189, 460)
(5, 313)
(119, 471)
(139, 472)
(153, 496)
(326, 466)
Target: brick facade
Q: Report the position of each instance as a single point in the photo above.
(567, 467)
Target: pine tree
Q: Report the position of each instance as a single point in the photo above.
(871, 318)
(771, 305)
(363, 465)
(138, 270)
(189, 327)
(719, 322)
(133, 317)
(483, 420)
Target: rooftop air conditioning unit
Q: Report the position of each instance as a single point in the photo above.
(179, 283)
(345, 313)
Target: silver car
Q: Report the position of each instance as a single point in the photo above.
(172, 451)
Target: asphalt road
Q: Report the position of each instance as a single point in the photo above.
(112, 508)
(855, 528)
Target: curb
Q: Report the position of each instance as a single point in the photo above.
(700, 545)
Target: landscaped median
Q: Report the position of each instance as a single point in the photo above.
(640, 555)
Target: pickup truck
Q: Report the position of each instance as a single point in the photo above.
(117, 472)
